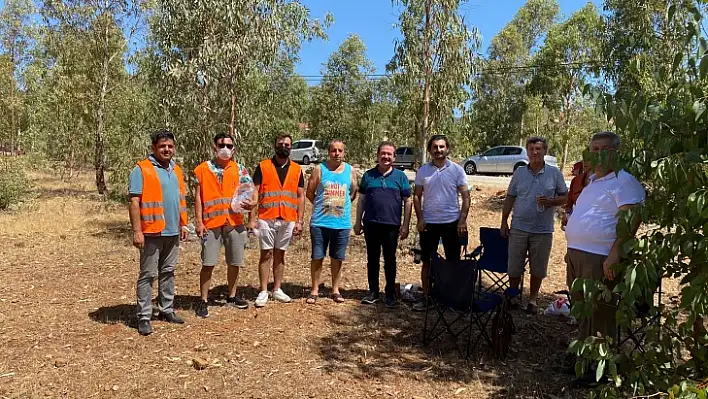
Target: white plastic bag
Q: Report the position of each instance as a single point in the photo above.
(559, 307)
(243, 193)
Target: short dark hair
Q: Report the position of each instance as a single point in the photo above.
(437, 137)
(534, 140)
(329, 146)
(281, 136)
(223, 135)
(162, 134)
(386, 143)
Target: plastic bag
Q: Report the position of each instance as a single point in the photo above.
(559, 307)
(243, 193)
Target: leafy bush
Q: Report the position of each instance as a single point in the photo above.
(14, 183)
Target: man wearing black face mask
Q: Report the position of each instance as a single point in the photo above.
(280, 192)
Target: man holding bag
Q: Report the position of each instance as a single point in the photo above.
(216, 183)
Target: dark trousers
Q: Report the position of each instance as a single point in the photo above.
(445, 232)
(381, 236)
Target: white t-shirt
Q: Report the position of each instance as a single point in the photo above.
(440, 195)
(593, 223)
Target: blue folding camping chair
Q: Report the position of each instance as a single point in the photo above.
(492, 257)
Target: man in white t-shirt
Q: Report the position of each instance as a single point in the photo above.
(439, 185)
(593, 245)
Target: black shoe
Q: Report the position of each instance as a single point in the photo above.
(171, 318)
(391, 302)
(371, 298)
(203, 309)
(237, 302)
(144, 327)
(422, 305)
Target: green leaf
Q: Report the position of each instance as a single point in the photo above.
(699, 107)
(600, 370)
(677, 61)
(703, 67)
(671, 12)
(579, 368)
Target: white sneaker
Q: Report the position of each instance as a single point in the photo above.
(262, 299)
(280, 296)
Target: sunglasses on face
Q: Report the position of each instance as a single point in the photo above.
(222, 145)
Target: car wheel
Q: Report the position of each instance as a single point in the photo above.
(470, 168)
(518, 165)
(305, 160)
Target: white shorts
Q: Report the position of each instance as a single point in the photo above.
(275, 233)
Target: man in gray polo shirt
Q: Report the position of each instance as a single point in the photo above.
(534, 192)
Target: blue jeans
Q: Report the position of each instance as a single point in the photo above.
(323, 237)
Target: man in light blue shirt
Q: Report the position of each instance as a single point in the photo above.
(438, 186)
(534, 192)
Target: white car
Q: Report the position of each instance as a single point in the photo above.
(502, 160)
(305, 151)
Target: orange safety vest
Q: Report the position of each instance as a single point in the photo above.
(216, 197)
(152, 212)
(277, 200)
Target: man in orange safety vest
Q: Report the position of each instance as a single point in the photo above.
(158, 215)
(217, 180)
(280, 192)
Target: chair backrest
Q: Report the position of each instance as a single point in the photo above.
(453, 282)
(495, 255)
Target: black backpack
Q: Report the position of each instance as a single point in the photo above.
(502, 330)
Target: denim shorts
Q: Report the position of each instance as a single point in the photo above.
(323, 237)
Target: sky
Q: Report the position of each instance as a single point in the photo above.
(374, 21)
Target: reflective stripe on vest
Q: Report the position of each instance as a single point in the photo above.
(276, 199)
(216, 196)
(152, 212)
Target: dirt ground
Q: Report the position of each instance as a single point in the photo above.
(67, 300)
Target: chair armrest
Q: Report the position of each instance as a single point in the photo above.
(477, 251)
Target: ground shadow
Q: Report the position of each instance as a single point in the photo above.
(117, 314)
(69, 192)
(112, 229)
(376, 342)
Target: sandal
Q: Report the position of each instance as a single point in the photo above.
(311, 299)
(337, 298)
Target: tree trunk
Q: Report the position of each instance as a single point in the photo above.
(233, 115)
(100, 150)
(565, 154)
(13, 142)
(426, 83)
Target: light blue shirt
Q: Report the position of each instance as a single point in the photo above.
(170, 194)
(525, 186)
(333, 201)
(440, 196)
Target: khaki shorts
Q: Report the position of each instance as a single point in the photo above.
(234, 240)
(275, 233)
(584, 265)
(536, 246)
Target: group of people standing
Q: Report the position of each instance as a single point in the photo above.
(592, 204)
(441, 200)
(158, 215)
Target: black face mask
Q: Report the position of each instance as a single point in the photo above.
(283, 152)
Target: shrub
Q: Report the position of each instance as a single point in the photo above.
(14, 184)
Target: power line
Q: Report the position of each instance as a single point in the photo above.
(484, 71)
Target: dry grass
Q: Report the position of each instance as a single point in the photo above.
(67, 304)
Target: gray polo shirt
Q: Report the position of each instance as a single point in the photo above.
(525, 186)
